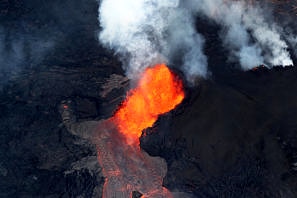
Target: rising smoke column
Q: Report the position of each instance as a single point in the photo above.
(248, 31)
(147, 32)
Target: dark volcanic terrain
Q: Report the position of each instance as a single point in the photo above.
(235, 134)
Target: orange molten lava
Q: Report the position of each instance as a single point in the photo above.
(158, 91)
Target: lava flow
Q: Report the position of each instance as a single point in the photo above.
(158, 91)
(125, 166)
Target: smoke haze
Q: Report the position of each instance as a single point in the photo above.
(18, 51)
(146, 32)
(37, 33)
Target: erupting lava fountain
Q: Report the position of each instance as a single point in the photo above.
(158, 91)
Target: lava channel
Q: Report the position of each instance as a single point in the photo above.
(125, 166)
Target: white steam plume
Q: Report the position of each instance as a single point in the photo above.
(250, 38)
(293, 43)
(146, 32)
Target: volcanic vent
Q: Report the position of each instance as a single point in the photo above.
(125, 166)
(157, 92)
(149, 32)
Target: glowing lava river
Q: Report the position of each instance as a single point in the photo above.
(125, 166)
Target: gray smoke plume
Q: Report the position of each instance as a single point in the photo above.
(146, 32)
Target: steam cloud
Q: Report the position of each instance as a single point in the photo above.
(248, 33)
(150, 32)
(145, 32)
